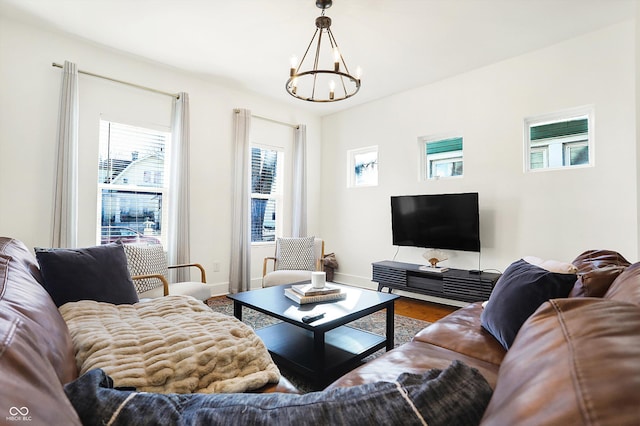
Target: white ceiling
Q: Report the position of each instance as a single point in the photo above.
(400, 44)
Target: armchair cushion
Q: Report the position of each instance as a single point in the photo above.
(296, 253)
(143, 259)
(93, 273)
(285, 277)
(188, 288)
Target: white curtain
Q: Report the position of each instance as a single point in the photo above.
(179, 201)
(240, 269)
(65, 204)
(299, 199)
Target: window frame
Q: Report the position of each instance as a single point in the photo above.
(352, 175)
(427, 161)
(278, 197)
(562, 142)
(162, 190)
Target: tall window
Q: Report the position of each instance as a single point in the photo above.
(559, 140)
(132, 183)
(441, 157)
(266, 193)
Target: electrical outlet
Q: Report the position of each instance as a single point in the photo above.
(216, 266)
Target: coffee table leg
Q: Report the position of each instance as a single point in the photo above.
(390, 325)
(237, 310)
(318, 355)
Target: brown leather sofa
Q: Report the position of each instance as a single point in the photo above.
(574, 361)
(36, 353)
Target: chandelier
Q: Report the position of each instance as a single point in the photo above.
(317, 84)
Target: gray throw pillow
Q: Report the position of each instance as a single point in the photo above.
(93, 273)
(520, 290)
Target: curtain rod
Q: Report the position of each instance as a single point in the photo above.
(173, 95)
(295, 126)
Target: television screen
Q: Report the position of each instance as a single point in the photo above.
(441, 221)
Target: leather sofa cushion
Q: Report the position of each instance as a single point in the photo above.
(22, 298)
(36, 354)
(575, 361)
(461, 332)
(627, 286)
(29, 381)
(412, 357)
(596, 259)
(596, 282)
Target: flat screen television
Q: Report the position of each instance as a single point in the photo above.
(439, 221)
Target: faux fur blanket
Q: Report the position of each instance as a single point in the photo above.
(173, 344)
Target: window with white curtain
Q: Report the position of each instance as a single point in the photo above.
(266, 193)
(133, 183)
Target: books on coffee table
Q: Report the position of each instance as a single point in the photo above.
(310, 290)
(299, 298)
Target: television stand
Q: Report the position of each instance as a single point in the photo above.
(453, 284)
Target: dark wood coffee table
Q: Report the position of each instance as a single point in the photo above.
(327, 348)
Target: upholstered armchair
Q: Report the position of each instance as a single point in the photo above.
(149, 270)
(294, 260)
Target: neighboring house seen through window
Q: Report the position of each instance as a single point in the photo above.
(132, 183)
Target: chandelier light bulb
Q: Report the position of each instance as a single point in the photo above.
(358, 72)
(336, 59)
(332, 89)
(294, 63)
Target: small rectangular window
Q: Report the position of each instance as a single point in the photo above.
(440, 157)
(362, 167)
(266, 193)
(559, 140)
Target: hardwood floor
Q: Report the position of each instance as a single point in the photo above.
(421, 309)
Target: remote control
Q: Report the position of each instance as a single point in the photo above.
(311, 318)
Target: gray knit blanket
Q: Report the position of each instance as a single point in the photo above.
(457, 396)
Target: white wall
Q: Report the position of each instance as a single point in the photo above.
(552, 214)
(30, 89)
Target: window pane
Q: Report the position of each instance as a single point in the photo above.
(131, 155)
(366, 168)
(443, 158)
(263, 220)
(538, 159)
(264, 164)
(446, 168)
(132, 216)
(560, 128)
(265, 187)
(578, 155)
(131, 182)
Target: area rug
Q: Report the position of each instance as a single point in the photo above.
(404, 330)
